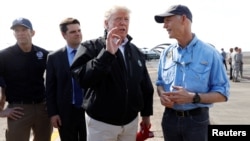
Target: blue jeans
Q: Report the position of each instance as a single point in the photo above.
(185, 128)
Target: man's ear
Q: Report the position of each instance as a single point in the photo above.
(32, 32)
(63, 34)
(106, 24)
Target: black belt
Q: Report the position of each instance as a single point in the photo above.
(187, 113)
(28, 102)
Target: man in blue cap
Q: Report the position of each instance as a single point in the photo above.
(22, 68)
(22, 22)
(191, 77)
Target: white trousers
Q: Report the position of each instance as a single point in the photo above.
(100, 131)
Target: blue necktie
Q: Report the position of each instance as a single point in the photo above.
(78, 93)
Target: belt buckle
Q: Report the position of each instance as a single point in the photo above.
(180, 113)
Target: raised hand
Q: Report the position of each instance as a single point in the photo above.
(113, 41)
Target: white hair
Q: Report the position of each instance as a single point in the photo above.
(113, 10)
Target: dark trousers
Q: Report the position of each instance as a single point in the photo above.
(185, 128)
(75, 128)
(231, 72)
(225, 63)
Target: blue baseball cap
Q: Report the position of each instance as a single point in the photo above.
(23, 22)
(174, 10)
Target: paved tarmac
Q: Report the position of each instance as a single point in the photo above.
(232, 112)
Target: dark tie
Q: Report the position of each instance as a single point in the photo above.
(78, 93)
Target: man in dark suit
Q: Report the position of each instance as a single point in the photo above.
(63, 100)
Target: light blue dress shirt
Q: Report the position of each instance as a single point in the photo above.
(197, 68)
(70, 54)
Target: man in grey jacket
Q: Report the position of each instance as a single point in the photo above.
(236, 62)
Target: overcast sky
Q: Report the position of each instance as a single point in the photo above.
(223, 23)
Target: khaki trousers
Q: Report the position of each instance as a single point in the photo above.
(35, 119)
(100, 131)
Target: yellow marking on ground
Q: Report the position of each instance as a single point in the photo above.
(55, 135)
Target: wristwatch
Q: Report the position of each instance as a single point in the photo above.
(196, 98)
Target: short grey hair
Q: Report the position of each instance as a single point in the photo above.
(114, 9)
